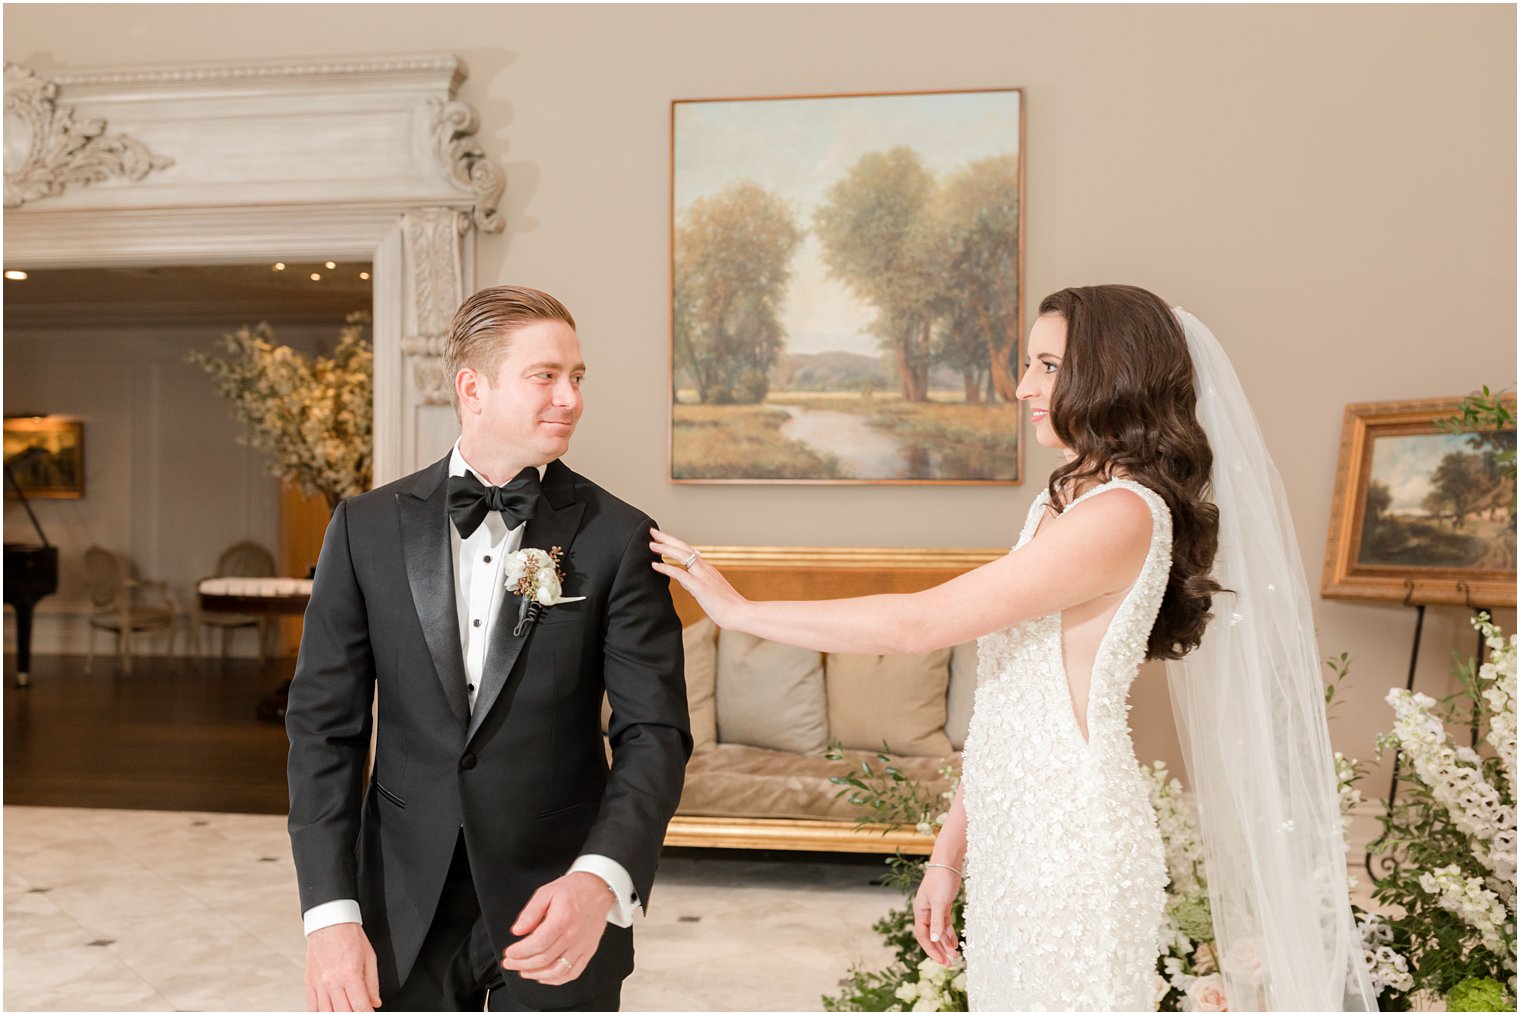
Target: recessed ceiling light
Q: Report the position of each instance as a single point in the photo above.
(17, 276)
(331, 264)
(279, 266)
(364, 274)
(315, 277)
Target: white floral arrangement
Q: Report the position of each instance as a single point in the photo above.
(1450, 839)
(535, 576)
(938, 988)
(1189, 975)
(312, 418)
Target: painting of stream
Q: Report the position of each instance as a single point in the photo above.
(845, 288)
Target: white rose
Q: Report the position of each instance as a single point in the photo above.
(1207, 994)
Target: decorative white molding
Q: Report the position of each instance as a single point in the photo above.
(368, 159)
(405, 66)
(461, 157)
(52, 149)
(433, 249)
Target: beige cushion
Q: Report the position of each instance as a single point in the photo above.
(770, 695)
(899, 700)
(735, 781)
(699, 642)
(962, 692)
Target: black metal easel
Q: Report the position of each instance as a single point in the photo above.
(1388, 862)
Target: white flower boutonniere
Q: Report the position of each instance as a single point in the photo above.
(535, 576)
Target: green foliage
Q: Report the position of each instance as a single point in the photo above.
(1478, 994)
(891, 799)
(1485, 415)
(886, 796)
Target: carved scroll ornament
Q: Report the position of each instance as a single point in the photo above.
(462, 159)
(47, 149)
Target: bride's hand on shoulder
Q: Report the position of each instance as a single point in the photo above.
(707, 586)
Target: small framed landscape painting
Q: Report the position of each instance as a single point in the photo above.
(44, 456)
(1421, 514)
(845, 295)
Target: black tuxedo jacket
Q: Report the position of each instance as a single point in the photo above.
(525, 774)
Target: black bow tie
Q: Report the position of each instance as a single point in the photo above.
(470, 500)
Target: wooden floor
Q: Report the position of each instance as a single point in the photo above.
(175, 734)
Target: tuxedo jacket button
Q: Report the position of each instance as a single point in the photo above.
(467, 762)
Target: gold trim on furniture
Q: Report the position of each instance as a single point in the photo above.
(821, 836)
(831, 572)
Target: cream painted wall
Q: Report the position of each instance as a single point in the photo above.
(1331, 188)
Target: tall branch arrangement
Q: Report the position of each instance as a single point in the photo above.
(312, 418)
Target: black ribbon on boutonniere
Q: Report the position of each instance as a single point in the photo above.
(527, 586)
(527, 615)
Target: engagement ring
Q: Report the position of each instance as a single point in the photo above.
(565, 962)
(692, 559)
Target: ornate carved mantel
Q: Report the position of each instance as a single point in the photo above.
(375, 159)
(49, 149)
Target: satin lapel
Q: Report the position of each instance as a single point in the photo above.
(429, 554)
(554, 524)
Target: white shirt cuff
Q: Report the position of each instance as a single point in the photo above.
(626, 900)
(330, 913)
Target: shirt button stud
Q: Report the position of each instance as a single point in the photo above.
(477, 622)
(471, 688)
(488, 558)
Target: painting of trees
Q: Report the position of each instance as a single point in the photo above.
(732, 262)
(845, 285)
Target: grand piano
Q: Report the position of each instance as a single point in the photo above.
(31, 572)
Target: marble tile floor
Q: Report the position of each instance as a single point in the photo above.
(116, 910)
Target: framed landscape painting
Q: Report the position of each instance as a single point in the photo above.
(45, 457)
(846, 276)
(1421, 515)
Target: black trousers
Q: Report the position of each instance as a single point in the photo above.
(458, 968)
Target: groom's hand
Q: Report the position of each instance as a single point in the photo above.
(563, 922)
(341, 974)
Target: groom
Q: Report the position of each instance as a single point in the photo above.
(492, 858)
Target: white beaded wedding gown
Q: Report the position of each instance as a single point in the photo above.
(1065, 870)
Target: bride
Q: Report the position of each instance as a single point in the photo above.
(1167, 501)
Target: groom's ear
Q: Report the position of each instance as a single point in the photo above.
(467, 390)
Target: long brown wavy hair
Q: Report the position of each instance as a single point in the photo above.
(1125, 401)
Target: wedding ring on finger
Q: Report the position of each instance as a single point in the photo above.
(565, 962)
(689, 561)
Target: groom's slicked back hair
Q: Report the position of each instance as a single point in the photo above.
(481, 331)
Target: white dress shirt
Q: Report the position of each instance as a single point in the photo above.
(478, 591)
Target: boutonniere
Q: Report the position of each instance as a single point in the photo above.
(536, 578)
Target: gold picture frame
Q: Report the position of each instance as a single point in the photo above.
(45, 457)
(1421, 514)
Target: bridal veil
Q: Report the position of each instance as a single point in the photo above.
(1249, 704)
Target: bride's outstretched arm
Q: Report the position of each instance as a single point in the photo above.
(1095, 548)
